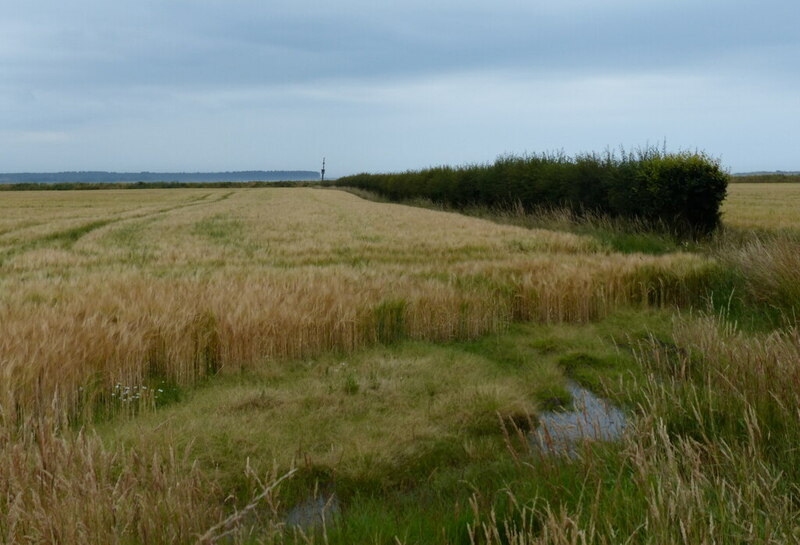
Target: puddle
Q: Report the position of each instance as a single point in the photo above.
(314, 512)
(591, 419)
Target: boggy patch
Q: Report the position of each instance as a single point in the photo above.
(591, 419)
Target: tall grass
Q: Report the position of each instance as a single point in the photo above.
(769, 266)
(57, 490)
(712, 457)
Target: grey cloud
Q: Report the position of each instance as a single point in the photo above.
(225, 43)
(402, 82)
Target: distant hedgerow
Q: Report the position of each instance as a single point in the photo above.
(679, 191)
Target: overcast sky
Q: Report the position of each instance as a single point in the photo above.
(185, 85)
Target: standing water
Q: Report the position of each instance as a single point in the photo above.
(316, 511)
(591, 419)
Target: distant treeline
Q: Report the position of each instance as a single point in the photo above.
(133, 177)
(771, 178)
(146, 185)
(678, 191)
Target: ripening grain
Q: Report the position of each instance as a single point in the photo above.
(130, 287)
(762, 205)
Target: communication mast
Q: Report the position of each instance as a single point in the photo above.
(323, 170)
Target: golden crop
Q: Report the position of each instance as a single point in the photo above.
(100, 288)
(759, 205)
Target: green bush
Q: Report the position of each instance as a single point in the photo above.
(680, 192)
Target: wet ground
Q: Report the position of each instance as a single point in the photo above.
(314, 512)
(591, 418)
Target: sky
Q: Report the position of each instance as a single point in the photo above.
(379, 86)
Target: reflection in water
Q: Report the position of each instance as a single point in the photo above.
(591, 419)
(558, 433)
(314, 512)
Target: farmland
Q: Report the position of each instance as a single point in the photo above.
(166, 355)
(763, 205)
(227, 280)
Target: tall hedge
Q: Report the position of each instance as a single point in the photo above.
(680, 191)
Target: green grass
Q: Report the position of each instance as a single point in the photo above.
(404, 434)
(425, 443)
(64, 239)
(127, 237)
(68, 237)
(220, 229)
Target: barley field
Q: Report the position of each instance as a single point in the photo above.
(762, 205)
(121, 287)
(197, 365)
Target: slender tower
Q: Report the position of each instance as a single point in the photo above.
(323, 170)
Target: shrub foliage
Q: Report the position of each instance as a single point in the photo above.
(679, 191)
